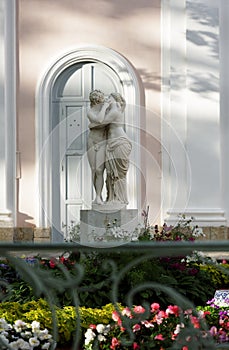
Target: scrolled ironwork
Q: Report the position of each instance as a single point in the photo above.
(49, 286)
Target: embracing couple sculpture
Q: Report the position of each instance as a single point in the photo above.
(108, 147)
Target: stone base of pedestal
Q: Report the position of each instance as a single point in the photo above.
(98, 226)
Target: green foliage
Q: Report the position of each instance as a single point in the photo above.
(93, 279)
(66, 317)
(185, 278)
(219, 274)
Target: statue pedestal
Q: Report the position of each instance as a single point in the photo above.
(107, 225)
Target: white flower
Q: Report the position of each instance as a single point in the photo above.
(89, 335)
(198, 232)
(34, 341)
(45, 346)
(19, 325)
(24, 345)
(44, 334)
(107, 329)
(100, 328)
(101, 337)
(201, 314)
(147, 324)
(26, 334)
(178, 328)
(14, 345)
(4, 339)
(3, 325)
(35, 326)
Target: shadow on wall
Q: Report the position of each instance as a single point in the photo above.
(22, 220)
(150, 80)
(208, 16)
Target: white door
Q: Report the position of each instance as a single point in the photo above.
(71, 175)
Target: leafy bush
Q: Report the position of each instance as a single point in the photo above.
(98, 281)
(66, 317)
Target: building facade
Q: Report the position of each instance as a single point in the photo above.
(167, 57)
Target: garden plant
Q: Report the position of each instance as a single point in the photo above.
(118, 300)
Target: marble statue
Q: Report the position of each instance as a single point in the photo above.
(97, 140)
(107, 136)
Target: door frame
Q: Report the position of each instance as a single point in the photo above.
(134, 95)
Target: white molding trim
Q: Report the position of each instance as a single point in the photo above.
(211, 217)
(191, 114)
(175, 160)
(224, 101)
(8, 114)
(133, 95)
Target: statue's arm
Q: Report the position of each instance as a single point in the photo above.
(97, 117)
(111, 116)
(96, 125)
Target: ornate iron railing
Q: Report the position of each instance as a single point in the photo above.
(44, 283)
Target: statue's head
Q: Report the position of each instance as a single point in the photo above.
(118, 98)
(96, 97)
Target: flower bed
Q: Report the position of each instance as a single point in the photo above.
(139, 328)
(22, 335)
(117, 327)
(91, 280)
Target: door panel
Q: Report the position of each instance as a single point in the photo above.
(71, 93)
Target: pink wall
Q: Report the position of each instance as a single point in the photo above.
(47, 29)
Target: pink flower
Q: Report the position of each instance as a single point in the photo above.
(127, 312)
(159, 337)
(160, 317)
(155, 307)
(172, 309)
(136, 327)
(116, 317)
(195, 321)
(139, 309)
(114, 343)
(136, 346)
(213, 331)
(185, 348)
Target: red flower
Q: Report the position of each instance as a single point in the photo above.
(52, 263)
(159, 337)
(136, 346)
(207, 313)
(185, 348)
(62, 259)
(92, 326)
(114, 343)
(136, 327)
